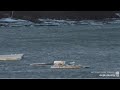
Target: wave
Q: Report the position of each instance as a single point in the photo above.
(80, 22)
(12, 22)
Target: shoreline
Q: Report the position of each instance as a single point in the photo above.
(73, 15)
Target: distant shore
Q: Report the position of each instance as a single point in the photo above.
(76, 15)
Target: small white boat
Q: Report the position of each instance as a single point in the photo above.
(62, 65)
(11, 57)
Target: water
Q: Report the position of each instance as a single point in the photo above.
(89, 45)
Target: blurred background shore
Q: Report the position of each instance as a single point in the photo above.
(31, 15)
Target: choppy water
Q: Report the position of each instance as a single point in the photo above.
(94, 46)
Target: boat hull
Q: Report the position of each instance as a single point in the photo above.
(66, 67)
(11, 57)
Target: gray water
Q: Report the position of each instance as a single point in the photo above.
(94, 46)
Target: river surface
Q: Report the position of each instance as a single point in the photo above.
(97, 46)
